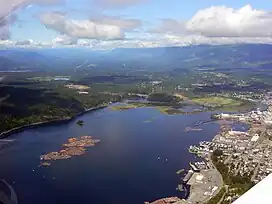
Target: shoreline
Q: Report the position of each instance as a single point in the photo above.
(18, 129)
(222, 189)
(190, 189)
(191, 194)
(22, 128)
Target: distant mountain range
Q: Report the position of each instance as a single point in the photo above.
(152, 59)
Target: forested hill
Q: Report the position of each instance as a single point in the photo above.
(154, 59)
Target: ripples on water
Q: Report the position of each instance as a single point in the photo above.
(123, 168)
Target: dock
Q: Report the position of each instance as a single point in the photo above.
(188, 176)
(194, 167)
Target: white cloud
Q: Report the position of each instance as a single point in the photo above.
(217, 25)
(80, 28)
(222, 21)
(173, 40)
(7, 7)
(126, 24)
(107, 45)
(214, 25)
(6, 43)
(160, 40)
(6, 17)
(64, 40)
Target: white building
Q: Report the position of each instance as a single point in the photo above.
(255, 138)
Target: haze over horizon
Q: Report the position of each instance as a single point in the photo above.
(106, 24)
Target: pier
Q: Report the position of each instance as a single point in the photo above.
(188, 176)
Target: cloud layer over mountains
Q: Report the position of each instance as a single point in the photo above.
(214, 25)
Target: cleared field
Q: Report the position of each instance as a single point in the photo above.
(180, 96)
(217, 101)
(78, 87)
(163, 109)
(168, 110)
(127, 106)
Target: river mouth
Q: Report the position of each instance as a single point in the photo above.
(123, 168)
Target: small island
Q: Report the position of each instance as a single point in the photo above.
(74, 147)
(80, 122)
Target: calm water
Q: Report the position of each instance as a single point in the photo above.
(122, 169)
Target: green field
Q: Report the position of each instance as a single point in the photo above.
(127, 106)
(169, 110)
(163, 109)
(218, 101)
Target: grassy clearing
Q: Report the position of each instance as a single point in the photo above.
(218, 101)
(180, 96)
(127, 106)
(242, 107)
(172, 111)
(163, 109)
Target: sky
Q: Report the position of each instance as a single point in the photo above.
(106, 24)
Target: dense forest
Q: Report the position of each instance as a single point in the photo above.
(23, 105)
(163, 97)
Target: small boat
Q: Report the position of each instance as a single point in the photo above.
(166, 160)
(159, 157)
